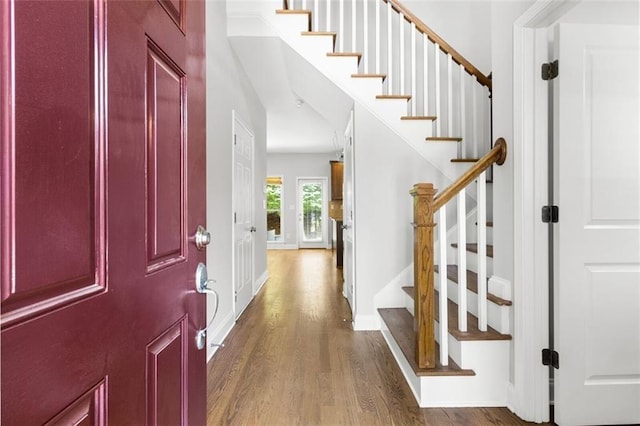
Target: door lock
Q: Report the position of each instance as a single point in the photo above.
(202, 238)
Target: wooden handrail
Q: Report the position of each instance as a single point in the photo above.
(497, 155)
(444, 46)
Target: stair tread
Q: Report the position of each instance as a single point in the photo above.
(443, 139)
(293, 11)
(382, 76)
(473, 248)
(407, 97)
(319, 33)
(472, 333)
(346, 54)
(419, 117)
(400, 324)
(472, 284)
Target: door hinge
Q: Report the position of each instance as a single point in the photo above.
(235, 217)
(235, 139)
(550, 214)
(550, 70)
(551, 358)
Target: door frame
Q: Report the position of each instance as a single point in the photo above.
(325, 214)
(235, 118)
(528, 395)
(349, 139)
(278, 244)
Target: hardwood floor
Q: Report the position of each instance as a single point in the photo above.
(293, 358)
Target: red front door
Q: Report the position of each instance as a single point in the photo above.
(103, 141)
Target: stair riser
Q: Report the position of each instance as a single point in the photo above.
(472, 354)
(497, 315)
(472, 261)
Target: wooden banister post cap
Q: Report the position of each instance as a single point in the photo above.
(423, 190)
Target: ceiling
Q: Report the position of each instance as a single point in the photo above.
(306, 112)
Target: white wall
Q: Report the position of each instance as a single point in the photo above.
(504, 13)
(227, 90)
(386, 168)
(291, 167)
(464, 24)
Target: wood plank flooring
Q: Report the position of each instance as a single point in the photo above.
(293, 358)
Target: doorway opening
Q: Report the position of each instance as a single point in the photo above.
(274, 209)
(312, 212)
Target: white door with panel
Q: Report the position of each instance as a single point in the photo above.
(347, 218)
(312, 213)
(597, 239)
(243, 228)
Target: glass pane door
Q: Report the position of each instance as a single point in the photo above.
(274, 209)
(311, 213)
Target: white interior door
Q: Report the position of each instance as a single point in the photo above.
(312, 213)
(243, 229)
(597, 273)
(347, 218)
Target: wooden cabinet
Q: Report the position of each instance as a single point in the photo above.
(335, 205)
(337, 173)
(335, 209)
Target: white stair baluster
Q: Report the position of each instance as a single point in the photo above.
(414, 99)
(341, 25)
(425, 73)
(354, 47)
(402, 49)
(449, 96)
(328, 15)
(389, 49)
(463, 113)
(474, 123)
(316, 15)
(443, 319)
(377, 31)
(482, 251)
(365, 50)
(462, 261)
(436, 51)
(304, 4)
(487, 112)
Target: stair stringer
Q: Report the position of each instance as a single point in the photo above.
(314, 49)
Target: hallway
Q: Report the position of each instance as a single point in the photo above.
(292, 358)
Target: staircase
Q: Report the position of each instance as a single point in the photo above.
(437, 102)
(477, 371)
(451, 339)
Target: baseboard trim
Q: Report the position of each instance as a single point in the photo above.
(281, 246)
(260, 282)
(218, 335)
(366, 323)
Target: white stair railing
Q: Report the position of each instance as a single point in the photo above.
(429, 203)
(416, 61)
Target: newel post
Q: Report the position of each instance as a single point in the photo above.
(423, 252)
